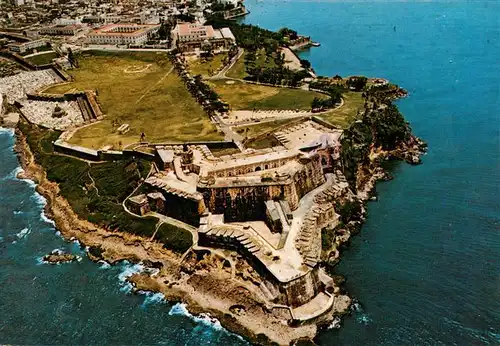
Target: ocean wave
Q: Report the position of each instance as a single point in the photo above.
(45, 219)
(42, 202)
(38, 199)
(13, 174)
(104, 264)
(180, 309)
(152, 298)
(128, 270)
(4, 130)
(364, 319)
(336, 323)
(23, 233)
(361, 316)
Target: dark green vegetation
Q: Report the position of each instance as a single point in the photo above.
(273, 70)
(174, 238)
(260, 42)
(348, 210)
(95, 191)
(334, 91)
(356, 83)
(380, 125)
(42, 59)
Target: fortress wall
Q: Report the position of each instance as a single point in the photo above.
(310, 177)
(177, 207)
(241, 203)
(53, 97)
(245, 169)
(303, 289)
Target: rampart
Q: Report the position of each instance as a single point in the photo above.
(240, 199)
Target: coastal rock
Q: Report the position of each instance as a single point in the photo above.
(58, 256)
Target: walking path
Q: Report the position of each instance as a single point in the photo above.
(222, 73)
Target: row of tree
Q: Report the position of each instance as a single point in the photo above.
(204, 95)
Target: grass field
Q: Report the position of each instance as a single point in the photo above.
(207, 68)
(42, 59)
(247, 96)
(142, 90)
(353, 101)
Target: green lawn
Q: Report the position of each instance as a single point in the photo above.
(209, 67)
(245, 96)
(238, 69)
(42, 59)
(343, 116)
(142, 90)
(263, 143)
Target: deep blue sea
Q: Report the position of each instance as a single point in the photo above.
(426, 265)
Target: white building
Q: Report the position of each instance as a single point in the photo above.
(132, 34)
(192, 36)
(26, 46)
(62, 30)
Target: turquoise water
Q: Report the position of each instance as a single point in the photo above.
(80, 303)
(425, 267)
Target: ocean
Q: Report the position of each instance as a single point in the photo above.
(425, 266)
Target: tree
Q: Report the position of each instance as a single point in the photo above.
(357, 83)
(305, 63)
(163, 31)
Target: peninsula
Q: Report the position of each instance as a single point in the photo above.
(213, 154)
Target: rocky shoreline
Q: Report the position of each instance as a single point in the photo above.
(57, 256)
(209, 289)
(204, 284)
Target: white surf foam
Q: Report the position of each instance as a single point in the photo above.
(44, 218)
(23, 233)
(205, 319)
(13, 174)
(336, 323)
(104, 264)
(152, 298)
(4, 130)
(127, 271)
(18, 170)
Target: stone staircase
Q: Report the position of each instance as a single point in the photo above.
(308, 240)
(236, 236)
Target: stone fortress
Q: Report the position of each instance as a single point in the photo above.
(269, 205)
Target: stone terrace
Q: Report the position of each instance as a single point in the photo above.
(307, 134)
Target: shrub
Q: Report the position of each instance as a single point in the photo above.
(174, 238)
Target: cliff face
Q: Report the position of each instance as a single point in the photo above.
(380, 132)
